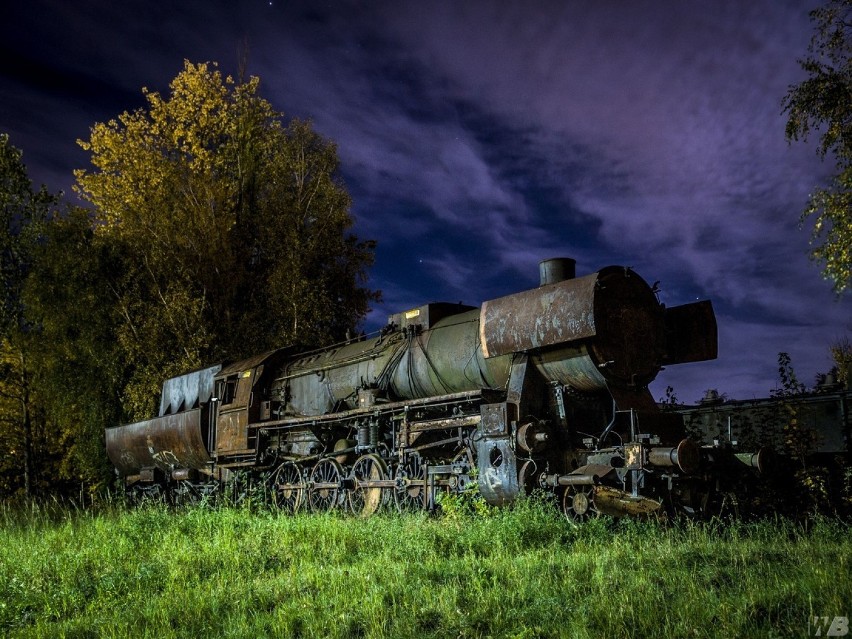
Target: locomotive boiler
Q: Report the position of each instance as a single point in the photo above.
(543, 389)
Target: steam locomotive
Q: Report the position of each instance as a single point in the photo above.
(543, 389)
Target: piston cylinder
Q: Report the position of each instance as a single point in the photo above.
(686, 456)
(761, 461)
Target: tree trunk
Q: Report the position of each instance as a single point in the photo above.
(26, 422)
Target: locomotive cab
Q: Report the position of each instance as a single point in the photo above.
(242, 390)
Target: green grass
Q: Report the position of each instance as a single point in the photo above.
(514, 573)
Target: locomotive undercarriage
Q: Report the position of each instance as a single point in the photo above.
(389, 455)
(403, 455)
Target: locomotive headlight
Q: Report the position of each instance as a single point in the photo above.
(633, 455)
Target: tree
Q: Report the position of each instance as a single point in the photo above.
(231, 230)
(824, 102)
(22, 213)
(80, 371)
(841, 353)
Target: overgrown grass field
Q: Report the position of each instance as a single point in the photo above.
(524, 572)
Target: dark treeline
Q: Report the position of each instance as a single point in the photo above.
(210, 229)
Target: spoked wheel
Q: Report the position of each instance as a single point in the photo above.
(326, 485)
(720, 504)
(185, 494)
(239, 489)
(144, 494)
(366, 497)
(578, 503)
(410, 490)
(464, 455)
(288, 487)
(207, 493)
(528, 477)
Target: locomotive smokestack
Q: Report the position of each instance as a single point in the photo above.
(556, 269)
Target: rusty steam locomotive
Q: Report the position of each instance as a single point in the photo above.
(546, 388)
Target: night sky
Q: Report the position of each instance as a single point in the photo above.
(478, 138)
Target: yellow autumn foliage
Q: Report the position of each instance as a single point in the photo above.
(232, 230)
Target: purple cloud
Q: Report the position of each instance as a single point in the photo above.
(480, 137)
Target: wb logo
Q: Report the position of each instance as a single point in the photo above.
(827, 627)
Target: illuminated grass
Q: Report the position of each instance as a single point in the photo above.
(521, 573)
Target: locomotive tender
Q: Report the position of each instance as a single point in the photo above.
(546, 388)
